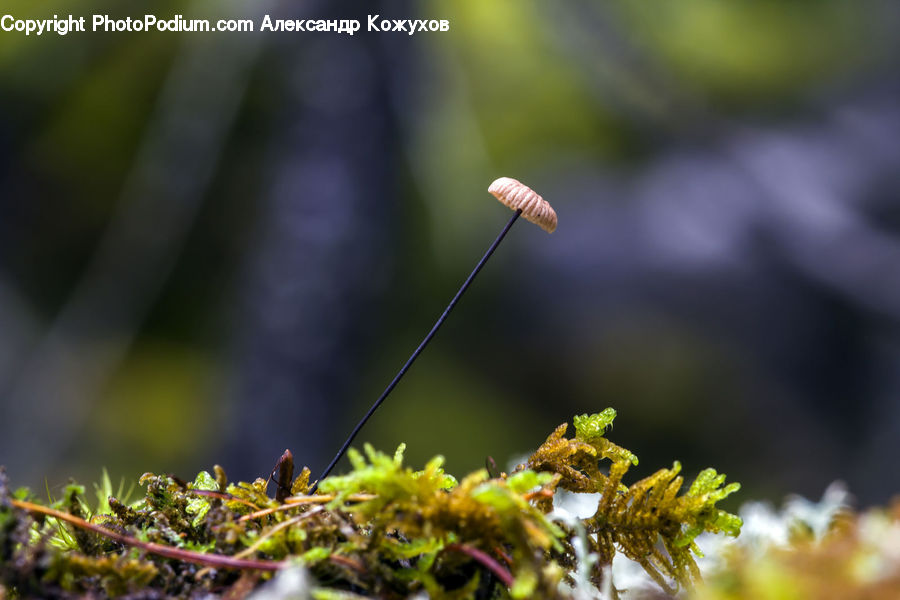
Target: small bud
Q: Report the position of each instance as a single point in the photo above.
(285, 469)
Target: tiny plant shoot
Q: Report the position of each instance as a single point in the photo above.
(525, 202)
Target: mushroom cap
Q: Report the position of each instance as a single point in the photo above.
(516, 195)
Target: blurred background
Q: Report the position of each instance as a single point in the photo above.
(214, 247)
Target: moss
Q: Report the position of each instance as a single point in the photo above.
(853, 556)
(648, 521)
(381, 530)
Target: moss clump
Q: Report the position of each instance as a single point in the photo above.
(382, 530)
(647, 521)
(825, 551)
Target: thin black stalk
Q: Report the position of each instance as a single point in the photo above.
(417, 352)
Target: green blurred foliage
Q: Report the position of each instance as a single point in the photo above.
(749, 54)
(162, 411)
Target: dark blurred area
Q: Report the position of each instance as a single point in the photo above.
(217, 246)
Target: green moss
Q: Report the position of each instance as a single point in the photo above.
(647, 521)
(383, 529)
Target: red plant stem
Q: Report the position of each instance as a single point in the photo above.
(200, 558)
(228, 562)
(223, 496)
(298, 501)
(347, 562)
(506, 557)
(486, 560)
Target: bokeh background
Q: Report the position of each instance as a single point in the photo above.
(214, 247)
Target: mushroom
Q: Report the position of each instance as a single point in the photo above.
(518, 196)
(525, 202)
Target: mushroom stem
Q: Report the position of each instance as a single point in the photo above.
(417, 352)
